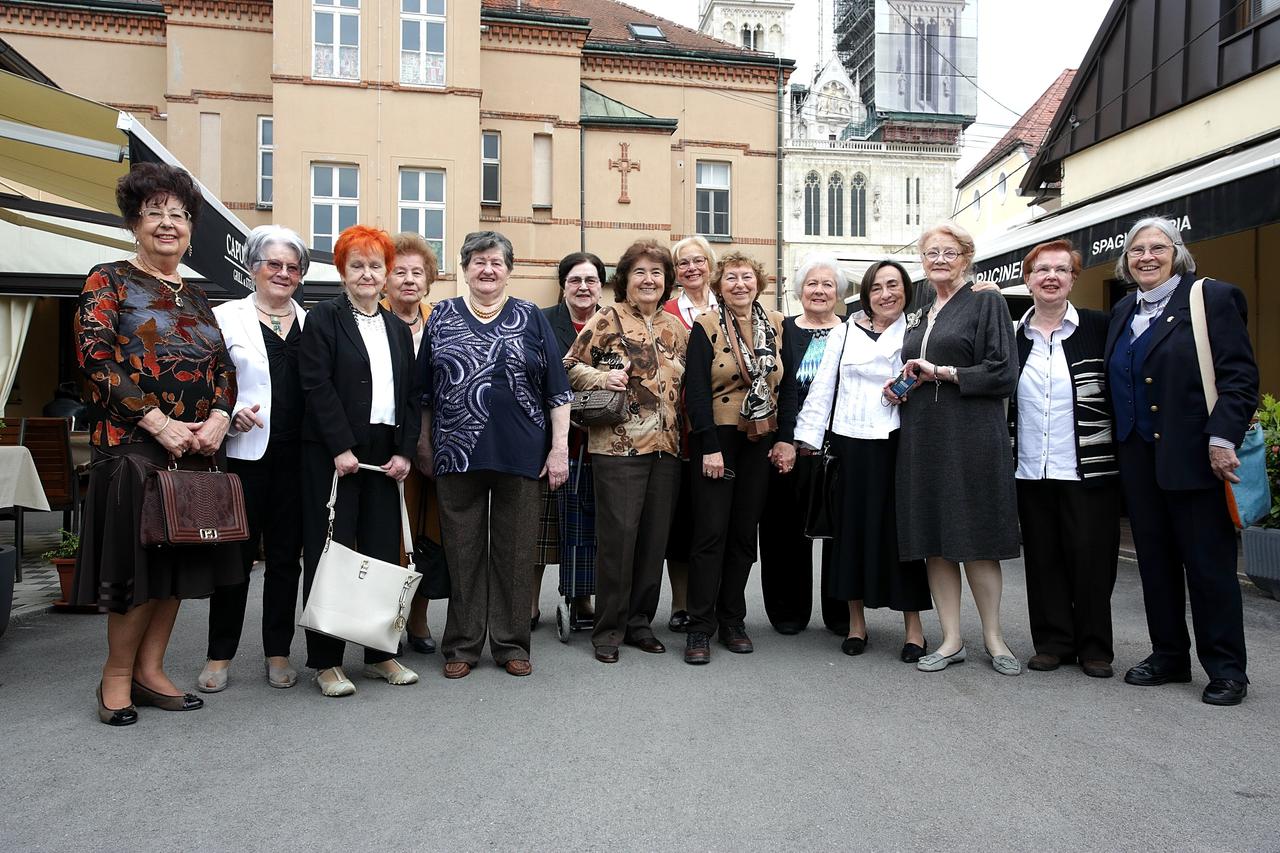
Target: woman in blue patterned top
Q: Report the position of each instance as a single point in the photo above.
(495, 421)
(786, 556)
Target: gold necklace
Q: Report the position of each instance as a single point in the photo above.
(156, 274)
(486, 315)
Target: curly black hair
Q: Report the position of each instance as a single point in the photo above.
(145, 181)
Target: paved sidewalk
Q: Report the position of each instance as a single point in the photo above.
(796, 747)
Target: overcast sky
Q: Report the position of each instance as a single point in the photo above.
(1023, 45)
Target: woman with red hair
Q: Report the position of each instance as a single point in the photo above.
(356, 364)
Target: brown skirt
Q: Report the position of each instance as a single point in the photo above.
(114, 570)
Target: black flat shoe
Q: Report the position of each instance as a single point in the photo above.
(788, 628)
(911, 653)
(679, 621)
(422, 645)
(533, 621)
(143, 695)
(116, 716)
(854, 645)
(1148, 674)
(1224, 691)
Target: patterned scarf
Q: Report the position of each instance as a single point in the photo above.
(758, 415)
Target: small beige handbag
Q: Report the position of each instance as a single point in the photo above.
(357, 598)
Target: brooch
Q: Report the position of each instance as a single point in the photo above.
(913, 319)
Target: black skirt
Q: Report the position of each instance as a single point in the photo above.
(866, 565)
(114, 570)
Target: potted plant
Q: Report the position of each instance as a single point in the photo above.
(1262, 541)
(63, 557)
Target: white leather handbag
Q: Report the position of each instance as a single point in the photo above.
(357, 598)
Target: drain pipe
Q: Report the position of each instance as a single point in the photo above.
(582, 187)
(778, 190)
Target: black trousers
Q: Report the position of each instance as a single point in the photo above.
(275, 525)
(635, 499)
(1070, 544)
(725, 521)
(367, 519)
(786, 554)
(1184, 535)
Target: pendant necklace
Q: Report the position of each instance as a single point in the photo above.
(155, 273)
(274, 319)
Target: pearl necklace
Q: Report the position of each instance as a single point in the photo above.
(486, 315)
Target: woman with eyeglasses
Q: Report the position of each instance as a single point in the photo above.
(1068, 494)
(160, 389)
(264, 448)
(956, 501)
(1175, 456)
(694, 262)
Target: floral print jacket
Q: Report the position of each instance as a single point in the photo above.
(138, 350)
(652, 351)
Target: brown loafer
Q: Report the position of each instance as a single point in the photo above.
(457, 669)
(652, 645)
(1097, 668)
(1044, 663)
(518, 667)
(604, 654)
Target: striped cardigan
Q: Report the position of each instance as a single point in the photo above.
(1095, 442)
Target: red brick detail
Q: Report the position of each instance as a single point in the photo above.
(209, 95)
(497, 33)
(84, 19)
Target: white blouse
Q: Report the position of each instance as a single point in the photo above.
(864, 365)
(382, 406)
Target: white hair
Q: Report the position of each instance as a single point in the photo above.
(260, 238)
(1182, 260)
(815, 261)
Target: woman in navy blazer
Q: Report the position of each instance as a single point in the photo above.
(1175, 456)
(357, 368)
(264, 448)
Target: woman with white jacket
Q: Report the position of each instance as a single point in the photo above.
(261, 332)
(860, 357)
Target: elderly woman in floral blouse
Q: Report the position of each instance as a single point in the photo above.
(636, 348)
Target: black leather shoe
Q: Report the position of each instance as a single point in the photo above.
(652, 645)
(1149, 674)
(911, 653)
(735, 639)
(788, 628)
(607, 654)
(854, 645)
(697, 648)
(1224, 691)
(143, 695)
(679, 621)
(126, 716)
(422, 645)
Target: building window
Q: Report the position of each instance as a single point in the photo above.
(491, 167)
(337, 39)
(542, 170)
(646, 32)
(858, 206)
(1002, 187)
(918, 201)
(712, 202)
(266, 168)
(812, 204)
(977, 204)
(748, 37)
(835, 205)
(908, 201)
(422, 42)
(422, 206)
(335, 202)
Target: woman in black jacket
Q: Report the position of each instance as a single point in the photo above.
(357, 368)
(1068, 491)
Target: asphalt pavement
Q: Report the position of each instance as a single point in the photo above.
(795, 747)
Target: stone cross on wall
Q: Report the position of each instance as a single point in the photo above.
(624, 164)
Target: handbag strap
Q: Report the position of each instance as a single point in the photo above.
(404, 512)
(1204, 353)
(835, 393)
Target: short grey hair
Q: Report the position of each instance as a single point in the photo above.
(1182, 260)
(483, 241)
(816, 261)
(255, 246)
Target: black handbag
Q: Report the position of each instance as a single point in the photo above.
(822, 512)
(428, 558)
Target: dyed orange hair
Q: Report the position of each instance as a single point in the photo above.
(362, 238)
(1060, 245)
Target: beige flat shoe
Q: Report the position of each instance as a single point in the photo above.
(283, 677)
(334, 682)
(212, 680)
(397, 674)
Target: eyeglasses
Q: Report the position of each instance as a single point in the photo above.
(274, 267)
(696, 261)
(575, 281)
(156, 215)
(946, 254)
(1045, 270)
(1158, 250)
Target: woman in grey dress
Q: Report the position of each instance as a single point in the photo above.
(956, 498)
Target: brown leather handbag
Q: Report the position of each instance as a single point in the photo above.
(185, 507)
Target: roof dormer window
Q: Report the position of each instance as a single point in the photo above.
(646, 32)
